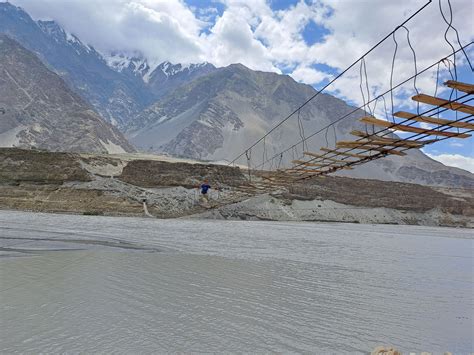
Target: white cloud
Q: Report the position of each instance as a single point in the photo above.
(456, 144)
(309, 75)
(355, 26)
(427, 125)
(161, 30)
(231, 40)
(456, 160)
(250, 32)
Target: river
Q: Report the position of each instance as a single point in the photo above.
(94, 284)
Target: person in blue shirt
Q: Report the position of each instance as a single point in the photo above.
(204, 189)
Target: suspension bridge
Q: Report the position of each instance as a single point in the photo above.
(385, 133)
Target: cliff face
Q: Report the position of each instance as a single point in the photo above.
(145, 173)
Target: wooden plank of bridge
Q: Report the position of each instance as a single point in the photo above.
(307, 163)
(391, 140)
(316, 165)
(400, 127)
(311, 173)
(464, 87)
(275, 177)
(305, 171)
(353, 155)
(393, 143)
(434, 120)
(369, 147)
(325, 158)
(436, 101)
(333, 169)
(323, 165)
(276, 181)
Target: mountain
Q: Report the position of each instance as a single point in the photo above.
(204, 112)
(37, 109)
(219, 115)
(133, 65)
(116, 96)
(166, 77)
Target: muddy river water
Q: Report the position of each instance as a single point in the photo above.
(93, 284)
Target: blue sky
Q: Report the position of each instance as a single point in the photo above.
(310, 40)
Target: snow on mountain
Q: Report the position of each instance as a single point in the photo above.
(166, 77)
(152, 73)
(61, 36)
(118, 85)
(134, 64)
(170, 69)
(116, 96)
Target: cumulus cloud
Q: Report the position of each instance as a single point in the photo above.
(231, 40)
(160, 30)
(309, 75)
(254, 34)
(355, 27)
(456, 160)
(251, 32)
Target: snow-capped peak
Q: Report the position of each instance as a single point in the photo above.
(60, 35)
(135, 63)
(72, 38)
(170, 69)
(139, 66)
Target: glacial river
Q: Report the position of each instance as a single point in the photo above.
(88, 284)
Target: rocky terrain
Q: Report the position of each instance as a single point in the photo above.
(39, 110)
(166, 77)
(134, 185)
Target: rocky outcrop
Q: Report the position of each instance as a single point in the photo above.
(380, 194)
(382, 350)
(146, 173)
(20, 166)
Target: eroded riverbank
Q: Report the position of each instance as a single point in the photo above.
(117, 185)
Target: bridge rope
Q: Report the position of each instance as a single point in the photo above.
(334, 79)
(348, 114)
(379, 150)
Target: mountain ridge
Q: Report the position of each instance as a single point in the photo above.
(219, 115)
(116, 97)
(40, 111)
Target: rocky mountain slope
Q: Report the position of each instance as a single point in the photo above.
(117, 84)
(132, 65)
(218, 115)
(166, 77)
(116, 96)
(39, 110)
